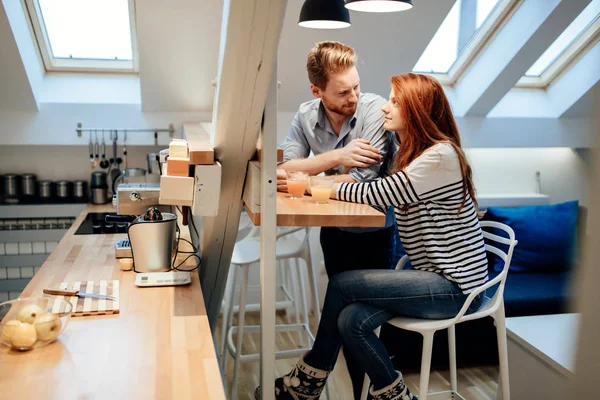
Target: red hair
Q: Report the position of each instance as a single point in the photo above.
(428, 120)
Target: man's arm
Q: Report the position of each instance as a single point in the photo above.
(357, 153)
(313, 165)
(343, 178)
(372, 130)
(296, 150)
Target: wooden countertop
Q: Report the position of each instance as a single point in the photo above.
(159, 347)
(306, 212)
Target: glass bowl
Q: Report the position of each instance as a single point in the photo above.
(32, 322)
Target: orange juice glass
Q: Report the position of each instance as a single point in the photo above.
(297, 182)
(321, 187)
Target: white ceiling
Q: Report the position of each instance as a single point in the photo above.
(178, 44)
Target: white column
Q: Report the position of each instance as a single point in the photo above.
(268, 272)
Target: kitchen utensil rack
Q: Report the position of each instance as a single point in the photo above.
(80, 129)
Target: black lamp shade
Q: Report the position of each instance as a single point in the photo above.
(324, 14)
(379, 5)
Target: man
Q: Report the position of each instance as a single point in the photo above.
(344, 130)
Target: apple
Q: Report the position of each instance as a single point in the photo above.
(47, 326)
(29, 313)
(23, 336)
(8, 329)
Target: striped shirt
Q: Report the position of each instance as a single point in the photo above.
(426, 196)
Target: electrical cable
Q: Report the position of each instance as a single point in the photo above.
(193, 253)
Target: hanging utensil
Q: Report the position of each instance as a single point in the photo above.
(103, 162)
(91, 149)
(115, 161)
(96, 149)
(114, 136)
(125, 148)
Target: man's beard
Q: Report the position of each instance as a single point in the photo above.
(344, 111)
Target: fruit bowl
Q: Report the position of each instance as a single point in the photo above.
(33, 322)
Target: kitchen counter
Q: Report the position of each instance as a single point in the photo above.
(159, 347)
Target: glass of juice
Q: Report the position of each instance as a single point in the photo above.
(321, 187)
(297, 183)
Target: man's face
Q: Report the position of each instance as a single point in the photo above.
(341, 94)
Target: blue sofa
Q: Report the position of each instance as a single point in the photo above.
(536, 292)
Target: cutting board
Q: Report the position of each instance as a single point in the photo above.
(87, 306)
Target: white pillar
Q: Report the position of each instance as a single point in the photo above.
(268, 272)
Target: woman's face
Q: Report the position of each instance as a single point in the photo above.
(393, 118)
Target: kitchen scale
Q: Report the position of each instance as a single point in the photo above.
(171, 278)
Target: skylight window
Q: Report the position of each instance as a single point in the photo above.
(85, 34)
(565, 47)
(459, 37)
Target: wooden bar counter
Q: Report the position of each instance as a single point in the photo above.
(158, 347)
(307, 212)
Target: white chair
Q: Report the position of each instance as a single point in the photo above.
(246, 253)
(493, 307)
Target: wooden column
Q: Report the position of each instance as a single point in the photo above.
(249, 41)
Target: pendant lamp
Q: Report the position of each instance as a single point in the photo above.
(380, 6)
(324, 14)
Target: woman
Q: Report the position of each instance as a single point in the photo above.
(433, 195)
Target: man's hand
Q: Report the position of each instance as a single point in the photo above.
(281, 180)
(359, 153)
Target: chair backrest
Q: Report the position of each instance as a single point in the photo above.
(493, 240)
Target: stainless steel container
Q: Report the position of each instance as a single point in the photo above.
(98, 179)
(46, 191)
(152, 243)
(80, 191)
(28, 185)
(100, 195)
(64, 190)
(11, 186)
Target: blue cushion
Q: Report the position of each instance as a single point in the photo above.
(529, 293)
(546, 236)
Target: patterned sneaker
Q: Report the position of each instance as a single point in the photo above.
(396, 391)
(302, 383)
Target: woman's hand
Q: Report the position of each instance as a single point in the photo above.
(281, 180)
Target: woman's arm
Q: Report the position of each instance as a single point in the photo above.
(433, 175)
(395, 190)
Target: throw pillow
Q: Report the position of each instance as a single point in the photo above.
(546, 236)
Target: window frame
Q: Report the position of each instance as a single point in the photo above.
(52, 64)
(578, 47)
(493, 23)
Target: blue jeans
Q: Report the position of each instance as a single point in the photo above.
(346, 251)
(357, 302)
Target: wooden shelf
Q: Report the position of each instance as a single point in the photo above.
(306, 212)
(201, 152)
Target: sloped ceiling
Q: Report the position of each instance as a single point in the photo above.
(587, 105)
(15, 90)
(386, 44)
(178, 45)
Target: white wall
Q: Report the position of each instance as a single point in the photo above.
(564, 172)
(63, 162)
